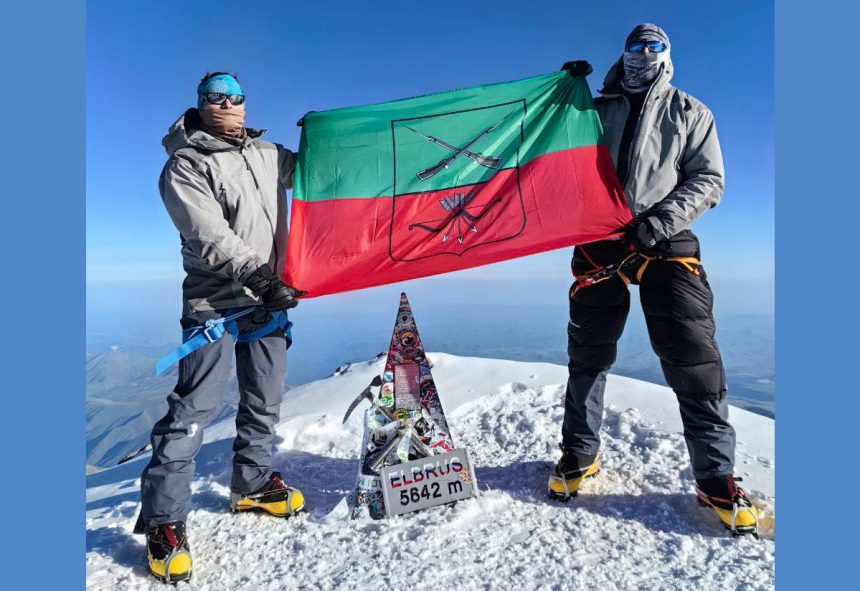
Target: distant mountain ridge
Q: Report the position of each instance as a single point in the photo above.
(124, 400)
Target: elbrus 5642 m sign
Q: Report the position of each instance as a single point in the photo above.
(427, 482)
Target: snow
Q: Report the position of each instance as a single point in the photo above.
(635, 526)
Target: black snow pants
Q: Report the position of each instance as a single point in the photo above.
(678, 306)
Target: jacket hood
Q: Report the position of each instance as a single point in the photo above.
(187, 132)
(612, 82)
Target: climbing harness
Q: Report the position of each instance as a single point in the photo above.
(213, 329)
(629, 269)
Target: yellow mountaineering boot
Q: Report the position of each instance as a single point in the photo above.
(730, 503)
(569, 473)
(168, 552)
(274, 497)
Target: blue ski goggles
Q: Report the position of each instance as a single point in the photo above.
(653, 46)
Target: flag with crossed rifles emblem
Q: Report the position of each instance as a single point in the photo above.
(448, 181)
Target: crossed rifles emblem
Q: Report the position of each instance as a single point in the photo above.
(458, 207)
(487, 161)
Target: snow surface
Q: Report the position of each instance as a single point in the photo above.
(635, 526)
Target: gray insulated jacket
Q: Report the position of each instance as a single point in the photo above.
(229, 204)
(675, 171)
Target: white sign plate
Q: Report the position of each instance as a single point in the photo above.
(428, 482)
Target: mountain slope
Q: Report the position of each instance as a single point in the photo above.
(636, 525)
(124, 400)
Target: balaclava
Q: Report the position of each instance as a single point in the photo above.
(640, 68)
(228, 122)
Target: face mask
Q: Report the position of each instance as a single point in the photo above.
(224, 121)
(640, 69)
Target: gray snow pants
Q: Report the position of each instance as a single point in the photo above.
(204, 376)
(678, 311)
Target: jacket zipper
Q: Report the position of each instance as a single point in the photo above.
(636, 131)
(262, 201)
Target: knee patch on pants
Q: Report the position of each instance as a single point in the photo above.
(592, 357)
(678, 310)
(705, 381)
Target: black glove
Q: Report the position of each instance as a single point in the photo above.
(640, 234)
(276, 295)
(260, 280)
(281, 296)
(301, 121)
(578, 68)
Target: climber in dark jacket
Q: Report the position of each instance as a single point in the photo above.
(665, 149)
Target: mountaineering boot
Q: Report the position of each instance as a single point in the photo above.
(274, 497)
(569, 473)
(730, 503)
(168, 552)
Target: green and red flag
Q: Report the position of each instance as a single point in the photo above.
(448, 181)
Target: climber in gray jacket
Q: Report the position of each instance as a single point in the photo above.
(225, 191)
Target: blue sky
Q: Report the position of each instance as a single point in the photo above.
(144, 61)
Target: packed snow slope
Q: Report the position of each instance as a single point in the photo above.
(635, 526)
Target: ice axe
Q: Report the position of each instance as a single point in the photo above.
(376, 381)
(373, 462)
(419, 445)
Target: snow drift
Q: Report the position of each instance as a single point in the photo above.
(636, 526)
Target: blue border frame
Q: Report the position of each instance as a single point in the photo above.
(817, 313)
(819, 406)
(44, 152)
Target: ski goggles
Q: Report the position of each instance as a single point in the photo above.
(218, 98)
(653, 46)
